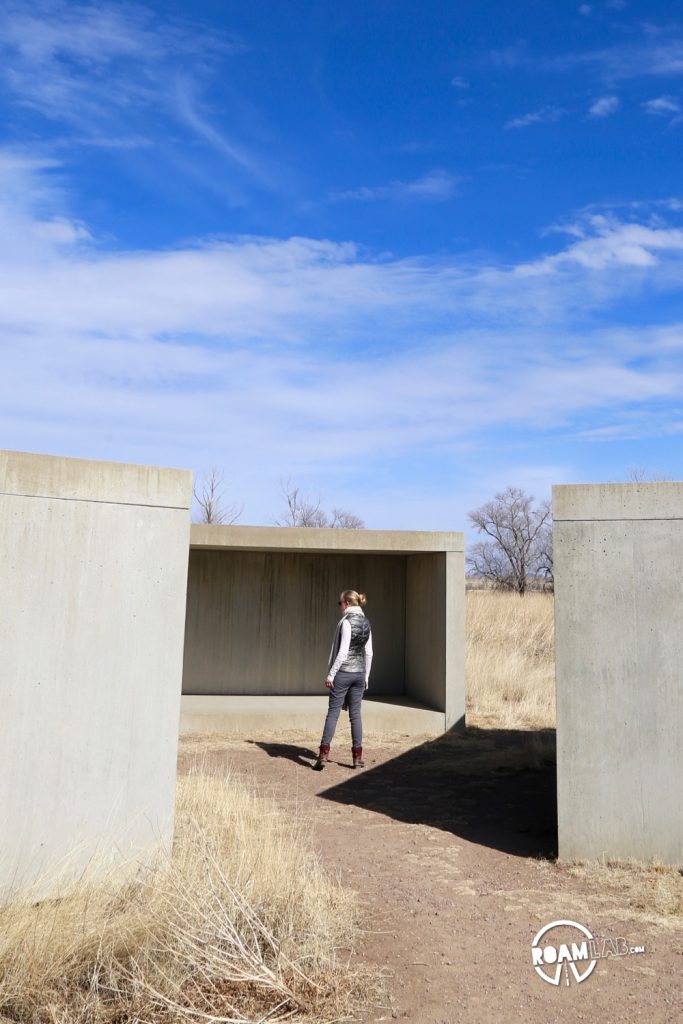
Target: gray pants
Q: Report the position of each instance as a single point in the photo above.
(352, 683)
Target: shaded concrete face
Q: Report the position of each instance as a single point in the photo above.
(435, 632)
(263, 622)
(619, 643)
(262, 609)
(92, 605)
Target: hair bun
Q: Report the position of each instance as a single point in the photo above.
(362, 600)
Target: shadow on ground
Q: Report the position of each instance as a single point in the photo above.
(495, 787)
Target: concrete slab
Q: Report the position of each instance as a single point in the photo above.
(285, 538)
(92, 607)
(262, 610)
(263, 715)
(619, 652)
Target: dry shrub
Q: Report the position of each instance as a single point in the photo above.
(242, 923)
(510, 660)
(652, 892)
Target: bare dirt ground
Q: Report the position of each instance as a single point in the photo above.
(451, 845)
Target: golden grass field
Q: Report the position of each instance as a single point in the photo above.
(510, 667)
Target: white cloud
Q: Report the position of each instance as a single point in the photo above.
(663, 106)
(586, 10)
(603, 242)
(604, 107)
(244, 352)
(118, 75)
(459, 83)
(545, 115)
(435, 186)
(657, 53)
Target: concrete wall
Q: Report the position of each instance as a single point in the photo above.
(262, 607)
(435, 631)
(92, 606)
(618, 607)
(262, 622)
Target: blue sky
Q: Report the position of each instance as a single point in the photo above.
(401, 254)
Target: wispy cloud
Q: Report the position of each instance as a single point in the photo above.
(656, 53)
(458, 82)
(242, 352)
(121, 76)
(604, 107)
(435, 186)
(544, 115)
(663, 106)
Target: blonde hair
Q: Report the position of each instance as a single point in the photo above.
(352, 597)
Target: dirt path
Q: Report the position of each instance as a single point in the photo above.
(448, 844)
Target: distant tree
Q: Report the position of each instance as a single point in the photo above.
(301, 510)
(342, 520)
(640, 475)
(519, 548)
(210, 502)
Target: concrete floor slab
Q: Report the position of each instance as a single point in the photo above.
(240, 714)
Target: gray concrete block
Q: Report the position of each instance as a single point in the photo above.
(619, 675)
(262, 608)
(92, 608)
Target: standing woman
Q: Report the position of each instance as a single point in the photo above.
(348, 674)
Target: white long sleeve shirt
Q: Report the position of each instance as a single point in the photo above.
(343, 652)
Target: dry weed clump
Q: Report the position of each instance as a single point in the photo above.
(510, 665)
(241, 924)
(652, 892)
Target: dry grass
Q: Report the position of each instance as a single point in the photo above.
(241, 924)
(510, 660)
(644, 892)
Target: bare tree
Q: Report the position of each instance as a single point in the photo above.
(210, 502)
(342, 520)
(640, 475)
(301, 510)
(519, 548)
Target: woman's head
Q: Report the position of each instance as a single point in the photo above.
(351, 599)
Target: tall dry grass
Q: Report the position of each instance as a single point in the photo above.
(510, 667)
(241, 924)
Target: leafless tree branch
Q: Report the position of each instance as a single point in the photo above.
(302, 511)
(210, 502)
(519, 549)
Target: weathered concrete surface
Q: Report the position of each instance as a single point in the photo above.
(262, 608)
(619, 642)
(262, 622)
(262, 715)
(435, 632)
(285, 538)
(92, 607)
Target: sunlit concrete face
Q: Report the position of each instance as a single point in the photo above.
(262, 607)
(619, 643)
(92, 609)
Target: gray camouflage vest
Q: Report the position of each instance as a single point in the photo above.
(360, 633)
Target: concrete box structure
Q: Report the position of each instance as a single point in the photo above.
(618, 611)
(92, 609)
(261, 612)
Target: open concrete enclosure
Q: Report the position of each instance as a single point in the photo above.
(92, 608)
(619, 642)
(261, 612)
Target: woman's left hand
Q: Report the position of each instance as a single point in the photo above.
(329, 684)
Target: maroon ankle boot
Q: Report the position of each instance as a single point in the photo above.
(322, 757)
(357, 753)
